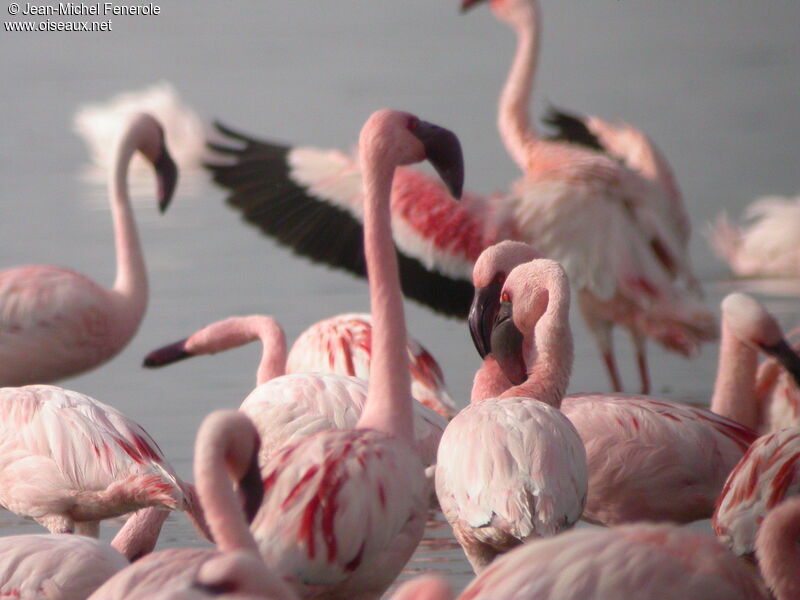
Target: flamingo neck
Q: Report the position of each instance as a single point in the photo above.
(513, 120)
(778, 551)
(130, 284)
(734, 389)
(388, 406)
(551, 351)
(489, 381)
(140, 533)
(221, 506)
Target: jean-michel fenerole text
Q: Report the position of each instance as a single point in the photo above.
(90, 8)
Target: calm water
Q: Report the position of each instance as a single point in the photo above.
(717, 85)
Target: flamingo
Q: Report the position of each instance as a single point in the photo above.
(286, 408)
(619, 232)
(344, 510)
(55, 566)
(649, 458)
(68, 461)
(642, 561)
(765, 476)
(767, 245)
(54, 322)
(778, 391)
(225, 448)
(425, 587)
(512, 467)
(776, 547)
(340, 344)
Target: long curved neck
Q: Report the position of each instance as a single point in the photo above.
(779, 552)
(489, 381)
(140, 533)
(548, 373)
(388, 405)
(734, 389)
(513, 118)
(131, 280)
(221, 506)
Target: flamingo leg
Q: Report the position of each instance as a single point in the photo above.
(640, 344)
(600, 329)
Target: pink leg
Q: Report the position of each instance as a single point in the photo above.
(601, 330)
(613, 373)
(641, 359)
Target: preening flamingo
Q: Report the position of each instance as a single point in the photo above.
(226, 449)
(340, 344)
(647, 458)
(765, 476)
(54, 322)
(70, 567)
(776, 548)
(767, 245)
(344, 510)
(618, 232)
(68, 462)
(291, 407)
(512, 467)
(778, 392)
(643, 561)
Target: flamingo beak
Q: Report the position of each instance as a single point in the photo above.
(166, 355)
(443, 151)
(468, 4)
(252, 487)
(482, 313)
(506, 344)
(784, 354)
(167, 178)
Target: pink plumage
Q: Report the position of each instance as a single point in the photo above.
(778, 392)
(642, 562)
(69, 461)
(54, 322)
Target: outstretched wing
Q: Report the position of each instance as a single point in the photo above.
(311, 200)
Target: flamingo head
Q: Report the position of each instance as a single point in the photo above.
(241, 573)
(512, 12)
(525, 297)
(153, 146)
(753, 325)
(398, 138)
(488, 276)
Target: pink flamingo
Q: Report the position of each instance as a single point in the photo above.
(54, 322)
(766, 475)
(344, 510)
(776, 547)
(425, 587)
(618, 230)
(226, 447)
(289, 408)
(55, 566)
(643, 561)
(512, 467)
(767, 245)
(669, 461)
(340, 344)
(68, 461)
(778, 391)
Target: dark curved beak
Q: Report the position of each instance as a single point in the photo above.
(166, 355)
(252, 487)
(166, 178)
(482, 313)
(443, 151)
(784, 354)
(468, 4)
(506, 343)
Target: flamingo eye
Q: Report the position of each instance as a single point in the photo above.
(413, 122)
(504, 297)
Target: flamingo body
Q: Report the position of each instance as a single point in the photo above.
(55, 567)
(498, 495)
(641, 562)
(343, 344)
(318, 527)
(653, 460)
(67, 459)
(765, 476)
(293, 407)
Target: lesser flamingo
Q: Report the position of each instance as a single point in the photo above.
(513, 467)
(776, 548)
(344, 510)
(286, 408)
(225, 450)
(54, 322)
(778, 391)
(68, 462)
